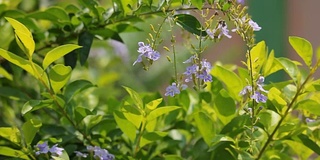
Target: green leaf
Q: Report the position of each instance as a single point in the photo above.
(272, 65)
(230, 79)
(10, 133)
(29, 129)
(135, 97)
(303, 48)
(59, 13)
(85, 40)
(197, 3)
(290, 67)
(302, 151)
(5, 74)
(258, 57)
(274, 95)
(24, 64)
(91, 120)
(154, 104)
(160, 111)
(205, 126)
(107, 33)
(126, 126)
(309, 143)
(23, 37)
(57, 53)
(225, 107)
(6, 151)
(309, 105)
(59, 76)
(150, 137)
(13, 93)
(269, 119)
(190, 23)
(133, 115)
(76, 87)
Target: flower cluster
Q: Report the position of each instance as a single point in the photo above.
(257, 95)
(146, 51)
(219, 31)
(201, 72)
(43, 148)
(252, 24)
(99, 153)
(174, 89)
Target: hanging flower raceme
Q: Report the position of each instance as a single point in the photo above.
(257, 95)
(43, 148)
(147, 52)
(250, 22)
(219, 31)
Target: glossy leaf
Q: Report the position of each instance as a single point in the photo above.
(126, 126)
(160, 111)
(29, 129)
(59, 76)
(24, 64)
(190, 23)
(309, 105)
(224, 106)
(205, 125)
(258, 57)
(150, 137)
(154, 104)
(85, 40)
(6, 151)
(274, 95)
(133, 115)
(303, 48)
(23, 37)
(10, 133)
(76, 87)
(230, 79)
(135, 97)
(57, 53)
(290, 67)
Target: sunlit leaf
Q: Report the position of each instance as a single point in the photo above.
(133, 115)
(303, 48)
(59, 76)
(269, 119)
(291, 68)
(272, 65)
(197, 3)
(258, 57)
(309, 143)
(126, 126)
(7, 151)
(190, 23)
(302, 151)
(57, 53)
(309, 105)
(154, 104)
(205, 126)
(135, 97)
(274, 95)
(160, 111)
(230, 79)
(10, 133)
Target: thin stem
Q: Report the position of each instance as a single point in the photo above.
(136, 150)
(270, 138)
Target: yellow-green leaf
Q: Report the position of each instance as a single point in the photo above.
(154, 104)
(5, 74)
(57, 53)
(303, 48)
(161, 111)
(126, 126)
(59, 76)
(258, 57)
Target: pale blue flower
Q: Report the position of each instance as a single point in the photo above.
(240, 1)
(254, 25)
(100, 153)
(246, 90)
(56, 151)
(258, 97)
(172, 90)
(42, 148)
(146, 51)
(191, 59)
(80, 154)
(205, 77)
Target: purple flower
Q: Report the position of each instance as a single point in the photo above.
(246, 90)
(100, 153)
(222, 29)
(79, 154)
(42, 148)
(172, 90)
(258, 97)
(146, 51)
(240, 1)
(254, 25)
(205, 77)
(57, 151)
